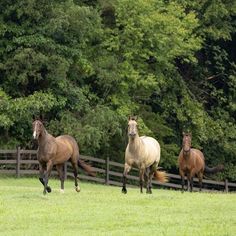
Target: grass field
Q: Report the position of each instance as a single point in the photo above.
(103, 210)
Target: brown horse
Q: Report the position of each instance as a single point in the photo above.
(192, 162)
(144, 153)
(56, 151)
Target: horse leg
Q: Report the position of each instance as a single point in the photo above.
(192, 174)
(41, 177)
(150, 182)
(75, 170)
(182, 179)
(191, 184)
(141, 178)
(46, 176)
(126, 171)
(61, 174)
(188, 181)
(146, 175)
(200, 177)
(41, 173)
(152, 169)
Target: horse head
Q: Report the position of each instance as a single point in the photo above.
(132, 127)
(186, 144)
(38, 129)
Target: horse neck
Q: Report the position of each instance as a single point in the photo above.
(43, 138)
(135, 144)
(186, 155)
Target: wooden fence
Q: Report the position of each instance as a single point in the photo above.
(24, 162)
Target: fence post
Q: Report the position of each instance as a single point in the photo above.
(65, 170)
(107, 171)
(18, 152)
(226, 186)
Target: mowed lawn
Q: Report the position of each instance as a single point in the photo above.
(104, 210)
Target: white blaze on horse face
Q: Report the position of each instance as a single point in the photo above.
(34, 134)
(132, 128)
(35, 128)
(186, 143)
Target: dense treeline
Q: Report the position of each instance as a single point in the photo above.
(84, 66)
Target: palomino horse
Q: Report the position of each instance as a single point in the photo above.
(56, 151)
(192, 162)
(144, 153)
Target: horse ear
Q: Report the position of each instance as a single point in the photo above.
(33, 116)
(183, 133)
(133, 117)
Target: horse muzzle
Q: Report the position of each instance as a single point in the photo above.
(132, 134)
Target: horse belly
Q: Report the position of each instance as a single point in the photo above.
(152, 151)
(64, 150)
(199, 160)
(147, 158)
(62, 155)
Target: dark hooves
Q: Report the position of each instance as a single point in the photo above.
(49, 190)
(124, 190)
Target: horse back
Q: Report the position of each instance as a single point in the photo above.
(151, 144)
(67, 147)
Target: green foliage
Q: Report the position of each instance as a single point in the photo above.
(85, 66)
(95, 131)
(216, 17)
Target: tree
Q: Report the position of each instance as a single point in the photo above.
(85, 66)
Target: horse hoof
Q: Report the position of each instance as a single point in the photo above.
(124, 190)
(77, 189)
(62, 191)
(49, 190)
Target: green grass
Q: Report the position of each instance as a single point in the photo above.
(103, 210)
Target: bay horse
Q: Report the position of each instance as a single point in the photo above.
(191, 162)
(56, 151)
(144, 153)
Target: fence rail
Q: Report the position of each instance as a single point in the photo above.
(24, 162)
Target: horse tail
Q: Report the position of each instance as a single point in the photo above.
(161, 176)
(86, 167)
(213, 170)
